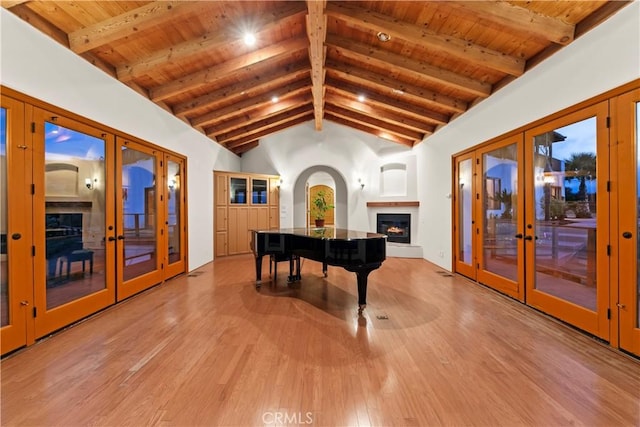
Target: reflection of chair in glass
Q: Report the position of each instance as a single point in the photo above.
(77, 256)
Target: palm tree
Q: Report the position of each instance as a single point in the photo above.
(581, 165)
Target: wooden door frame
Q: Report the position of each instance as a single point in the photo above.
(47, 321)
(468, 270)
(625, 332)
(19, 330)
(595, 323)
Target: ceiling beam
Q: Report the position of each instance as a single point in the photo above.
(258, 114)
(286, 116)
(519, 18)
(387, 102)
(422, 36)
(246, 147)
(317, 32)
(245, 88)
(387, 116)
(386, 83)
(237, 109)
(385, 59)
(211, 41)
(129, 23)
(369, 130)
(270, 131)
(373, 122)
(212, 74)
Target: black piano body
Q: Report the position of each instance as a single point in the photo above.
(356, 251)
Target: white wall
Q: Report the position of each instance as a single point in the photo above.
(34, 64)
(353, 154)
(603, 59)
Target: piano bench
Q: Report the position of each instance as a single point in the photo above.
(274, 259)
(77, 256)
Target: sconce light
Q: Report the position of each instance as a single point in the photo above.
(89, 183)
(361, 184)
(172, 183)
(279, 184)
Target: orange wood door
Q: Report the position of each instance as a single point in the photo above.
(568, 218)
(175, 226)
(73, 167)
(625, 303)
(499, 216)
(464, 214)
(16, 262)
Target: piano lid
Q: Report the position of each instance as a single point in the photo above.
(325, 233)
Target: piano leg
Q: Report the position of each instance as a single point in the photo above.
(258, 271)
(362, 273)
(324, 269)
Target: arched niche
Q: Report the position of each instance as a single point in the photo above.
(299, 196)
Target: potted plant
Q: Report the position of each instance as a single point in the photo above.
(320, 207)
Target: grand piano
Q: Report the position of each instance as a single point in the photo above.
(356, 251)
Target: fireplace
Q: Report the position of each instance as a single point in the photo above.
(396, 226)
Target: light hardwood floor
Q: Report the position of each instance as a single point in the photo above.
(211, 350)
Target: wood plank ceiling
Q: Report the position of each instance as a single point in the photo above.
(399, 70)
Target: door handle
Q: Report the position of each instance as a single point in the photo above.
(627, 235)
(518, 236)
(120, 237)
(111, 239)
(530, 237)
(16, 236)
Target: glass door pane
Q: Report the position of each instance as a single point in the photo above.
(139, 213)
(499, 229)
(175, 226)
(74, 219)
(464, 230)
(568, 219)
(139, 227)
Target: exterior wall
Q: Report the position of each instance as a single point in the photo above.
(35, 65)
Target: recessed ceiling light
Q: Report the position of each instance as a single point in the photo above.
(361, 98)
(275, 99)
(383, 37)
(249, 39)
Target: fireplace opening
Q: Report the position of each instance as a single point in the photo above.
(397, 227)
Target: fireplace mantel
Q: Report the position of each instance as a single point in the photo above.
(392, 204)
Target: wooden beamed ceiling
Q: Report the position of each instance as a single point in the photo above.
(315, 60)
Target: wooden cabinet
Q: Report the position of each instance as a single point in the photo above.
(244, 202)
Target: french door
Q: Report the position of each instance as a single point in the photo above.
(139, 239)
(567, 217)
(16, 300)
(499, 225)
(535, 223)
(86, 219)
(626, 236)
(72, 220)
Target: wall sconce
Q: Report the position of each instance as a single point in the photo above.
(361, 184)
(172, 183)
(90, 184)
(279, 184)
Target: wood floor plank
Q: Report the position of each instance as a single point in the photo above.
(212, 350)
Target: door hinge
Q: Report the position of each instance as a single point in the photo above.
(33, 251)
(161, 197)
(608, 250)
(35, 312)
(608, 313)
(33, 127)
(33, 189)
(608, 186)
(608, 122)
(477, 161)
